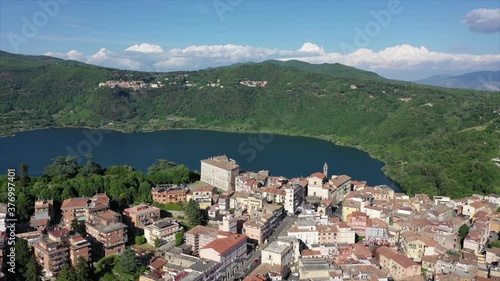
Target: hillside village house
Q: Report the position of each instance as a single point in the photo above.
(220, 171)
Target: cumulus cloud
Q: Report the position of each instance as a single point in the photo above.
(398, 62)
(71, 55)
(145, 48)
(483, 20)
(106, 57)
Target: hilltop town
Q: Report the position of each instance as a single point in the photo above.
(257, 227)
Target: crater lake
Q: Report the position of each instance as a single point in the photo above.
(288, 156)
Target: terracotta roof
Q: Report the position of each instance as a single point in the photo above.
(59, 232)
(357, 214)
(222, 245)
(385, 251)
(376, 222)
(360, 251)
(257, 277)
(340, 180)
(429, 259)
(477, 205)
(318, 175)
(205, 188)
(222, 162)
(107, 215)
(200, 229)
(307, 252)
(403, 260)
(39, 222)
(158, 263)
(73, 203)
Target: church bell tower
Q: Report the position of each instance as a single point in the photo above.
(325, 170)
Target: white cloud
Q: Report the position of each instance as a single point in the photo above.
(145, 48)
(398, 62)
(309, 47)
(483, 20)
(71, 55)
(105, 57)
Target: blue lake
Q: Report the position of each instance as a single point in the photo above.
(281, 155)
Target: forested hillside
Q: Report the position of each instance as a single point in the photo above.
(433, 140)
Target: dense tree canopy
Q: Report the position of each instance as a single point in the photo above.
(65, 179)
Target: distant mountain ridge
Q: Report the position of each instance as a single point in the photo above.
(334, 69)
(480, 80)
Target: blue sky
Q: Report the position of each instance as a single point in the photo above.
(427, 37)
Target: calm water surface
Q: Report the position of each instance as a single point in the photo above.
(281, 155)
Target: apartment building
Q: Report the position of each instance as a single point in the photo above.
(50, 252)
(415, 245)
(256, 230)
(76, 208)
(199, 236)
(73, 208)
(357, 220)
(163, 230)
(281, 255)
(306, 231)
(225, 249)
(294, 196)
(107, 232)
(376, 230)
(229, 223)
(339, 233)
(202, 195)
(399, 266)
(139, 216)
(79, 247)
(44, 213)
(260, 228)
(220, 171)
(169, 194)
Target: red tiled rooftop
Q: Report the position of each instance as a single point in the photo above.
(59, 232)
(205, 188)
(158, 263)
(222, 245)
(73, 203)
(403, 260)
(200, 229)
(307, 252)
(318, 175)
